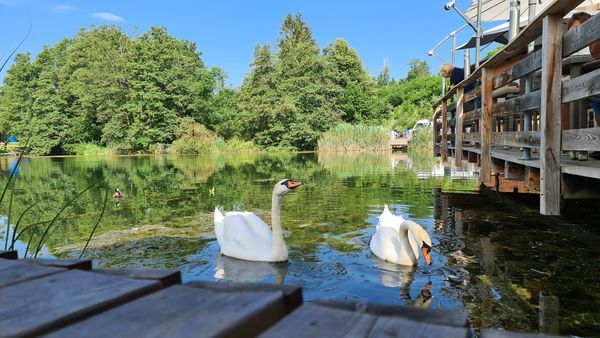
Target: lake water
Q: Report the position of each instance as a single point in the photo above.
(493, 257)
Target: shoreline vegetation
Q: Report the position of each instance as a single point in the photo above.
(104, 92)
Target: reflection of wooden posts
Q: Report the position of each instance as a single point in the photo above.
(458, 223)
(488, 256)
(444, 202)
(550, 117)
(444, 131)
(437, 203)
(486, 126)
(549, 311)
(459, 127)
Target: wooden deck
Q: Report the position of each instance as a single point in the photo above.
(533, 99)
(399, 143)
(58, 298)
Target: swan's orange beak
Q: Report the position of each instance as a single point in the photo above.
(293, 184)
(426, 254)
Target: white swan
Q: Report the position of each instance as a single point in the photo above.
(398, 241)
(245, 236)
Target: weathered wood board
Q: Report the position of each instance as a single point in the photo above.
(184, 311)
(164, 276)
(15, 271)
(50, 302)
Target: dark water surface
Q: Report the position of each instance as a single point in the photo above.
(493, 257)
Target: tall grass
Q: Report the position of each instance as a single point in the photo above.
(90, 149)
(348, 137)
(420, 149)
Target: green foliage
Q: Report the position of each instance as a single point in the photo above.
(493, 51)
(410, 100)
(347, 137)
(89, 149)
(418, 68)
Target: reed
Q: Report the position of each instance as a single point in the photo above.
(348, 137)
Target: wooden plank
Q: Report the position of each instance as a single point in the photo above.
(582, 168)
(292, 294)
(581, 139)
(472, 115)
(164, 276)
(183, 311)
(429, 316)
(472, 137)
(550, 116)
(489, 333)
(444, 132)
(80, 264)
(581, 36)
(459, 126)
(10, 254)
(581, 87)
(399, 327)
(15, 271)
(435, 129)
(531, 101)
(312, 320)
(517, 139)
(526, 66)
(38, 306)
(486, 126)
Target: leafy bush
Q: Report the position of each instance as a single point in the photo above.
(89, 149)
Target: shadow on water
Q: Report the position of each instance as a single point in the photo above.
(527, 272)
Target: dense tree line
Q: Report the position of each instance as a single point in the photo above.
(136, 93)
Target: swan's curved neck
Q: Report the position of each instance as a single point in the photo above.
(276, 224)
(404, 228)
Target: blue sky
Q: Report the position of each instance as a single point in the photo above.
(227, 31)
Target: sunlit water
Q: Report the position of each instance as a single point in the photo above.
(497, 260)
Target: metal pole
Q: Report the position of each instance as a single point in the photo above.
(453, 50)
(478, 35)
(513, 24)
(529, 82)
(467, 62)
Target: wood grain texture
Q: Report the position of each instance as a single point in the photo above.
(581, 87)
(292, 294)
(312, 320)
(400, 327)
(550, 116)
(518, 104)
(517, 139)
(164, 276)
(81, 264)
(444, 132)
(581, 36)
(431, 316)
(526, 66)
(183, 311)
(581, 139)
(472, 137)
(486, 126)
(16, 271)
(40, 305)
(459, 126)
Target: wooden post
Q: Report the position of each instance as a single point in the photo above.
(435, 130)
(459, 127)
(550, 149)
(444, 149)
(486, 125)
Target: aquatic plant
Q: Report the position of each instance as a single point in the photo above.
(349, 137)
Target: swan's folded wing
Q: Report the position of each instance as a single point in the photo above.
(240, 238)
(258, 226)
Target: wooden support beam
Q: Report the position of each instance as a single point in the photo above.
(459, 127)
(472, 137)
(587, 139)
(581, 36)
(529, 65)
(444, 149)
(486, 126)
(518, 104)
(581, 87)
(529, 139)
(435, 129)
(550, 115)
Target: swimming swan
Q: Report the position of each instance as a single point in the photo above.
(245, 236)
(397, 240)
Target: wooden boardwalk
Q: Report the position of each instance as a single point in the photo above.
(535, 99)
(66, 298)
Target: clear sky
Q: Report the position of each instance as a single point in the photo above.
(227, 31)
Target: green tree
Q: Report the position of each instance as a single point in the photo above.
(383, 79)
(16, 96)
(418, 68)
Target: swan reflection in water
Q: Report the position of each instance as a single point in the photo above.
(239, 270)
(401, 276)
